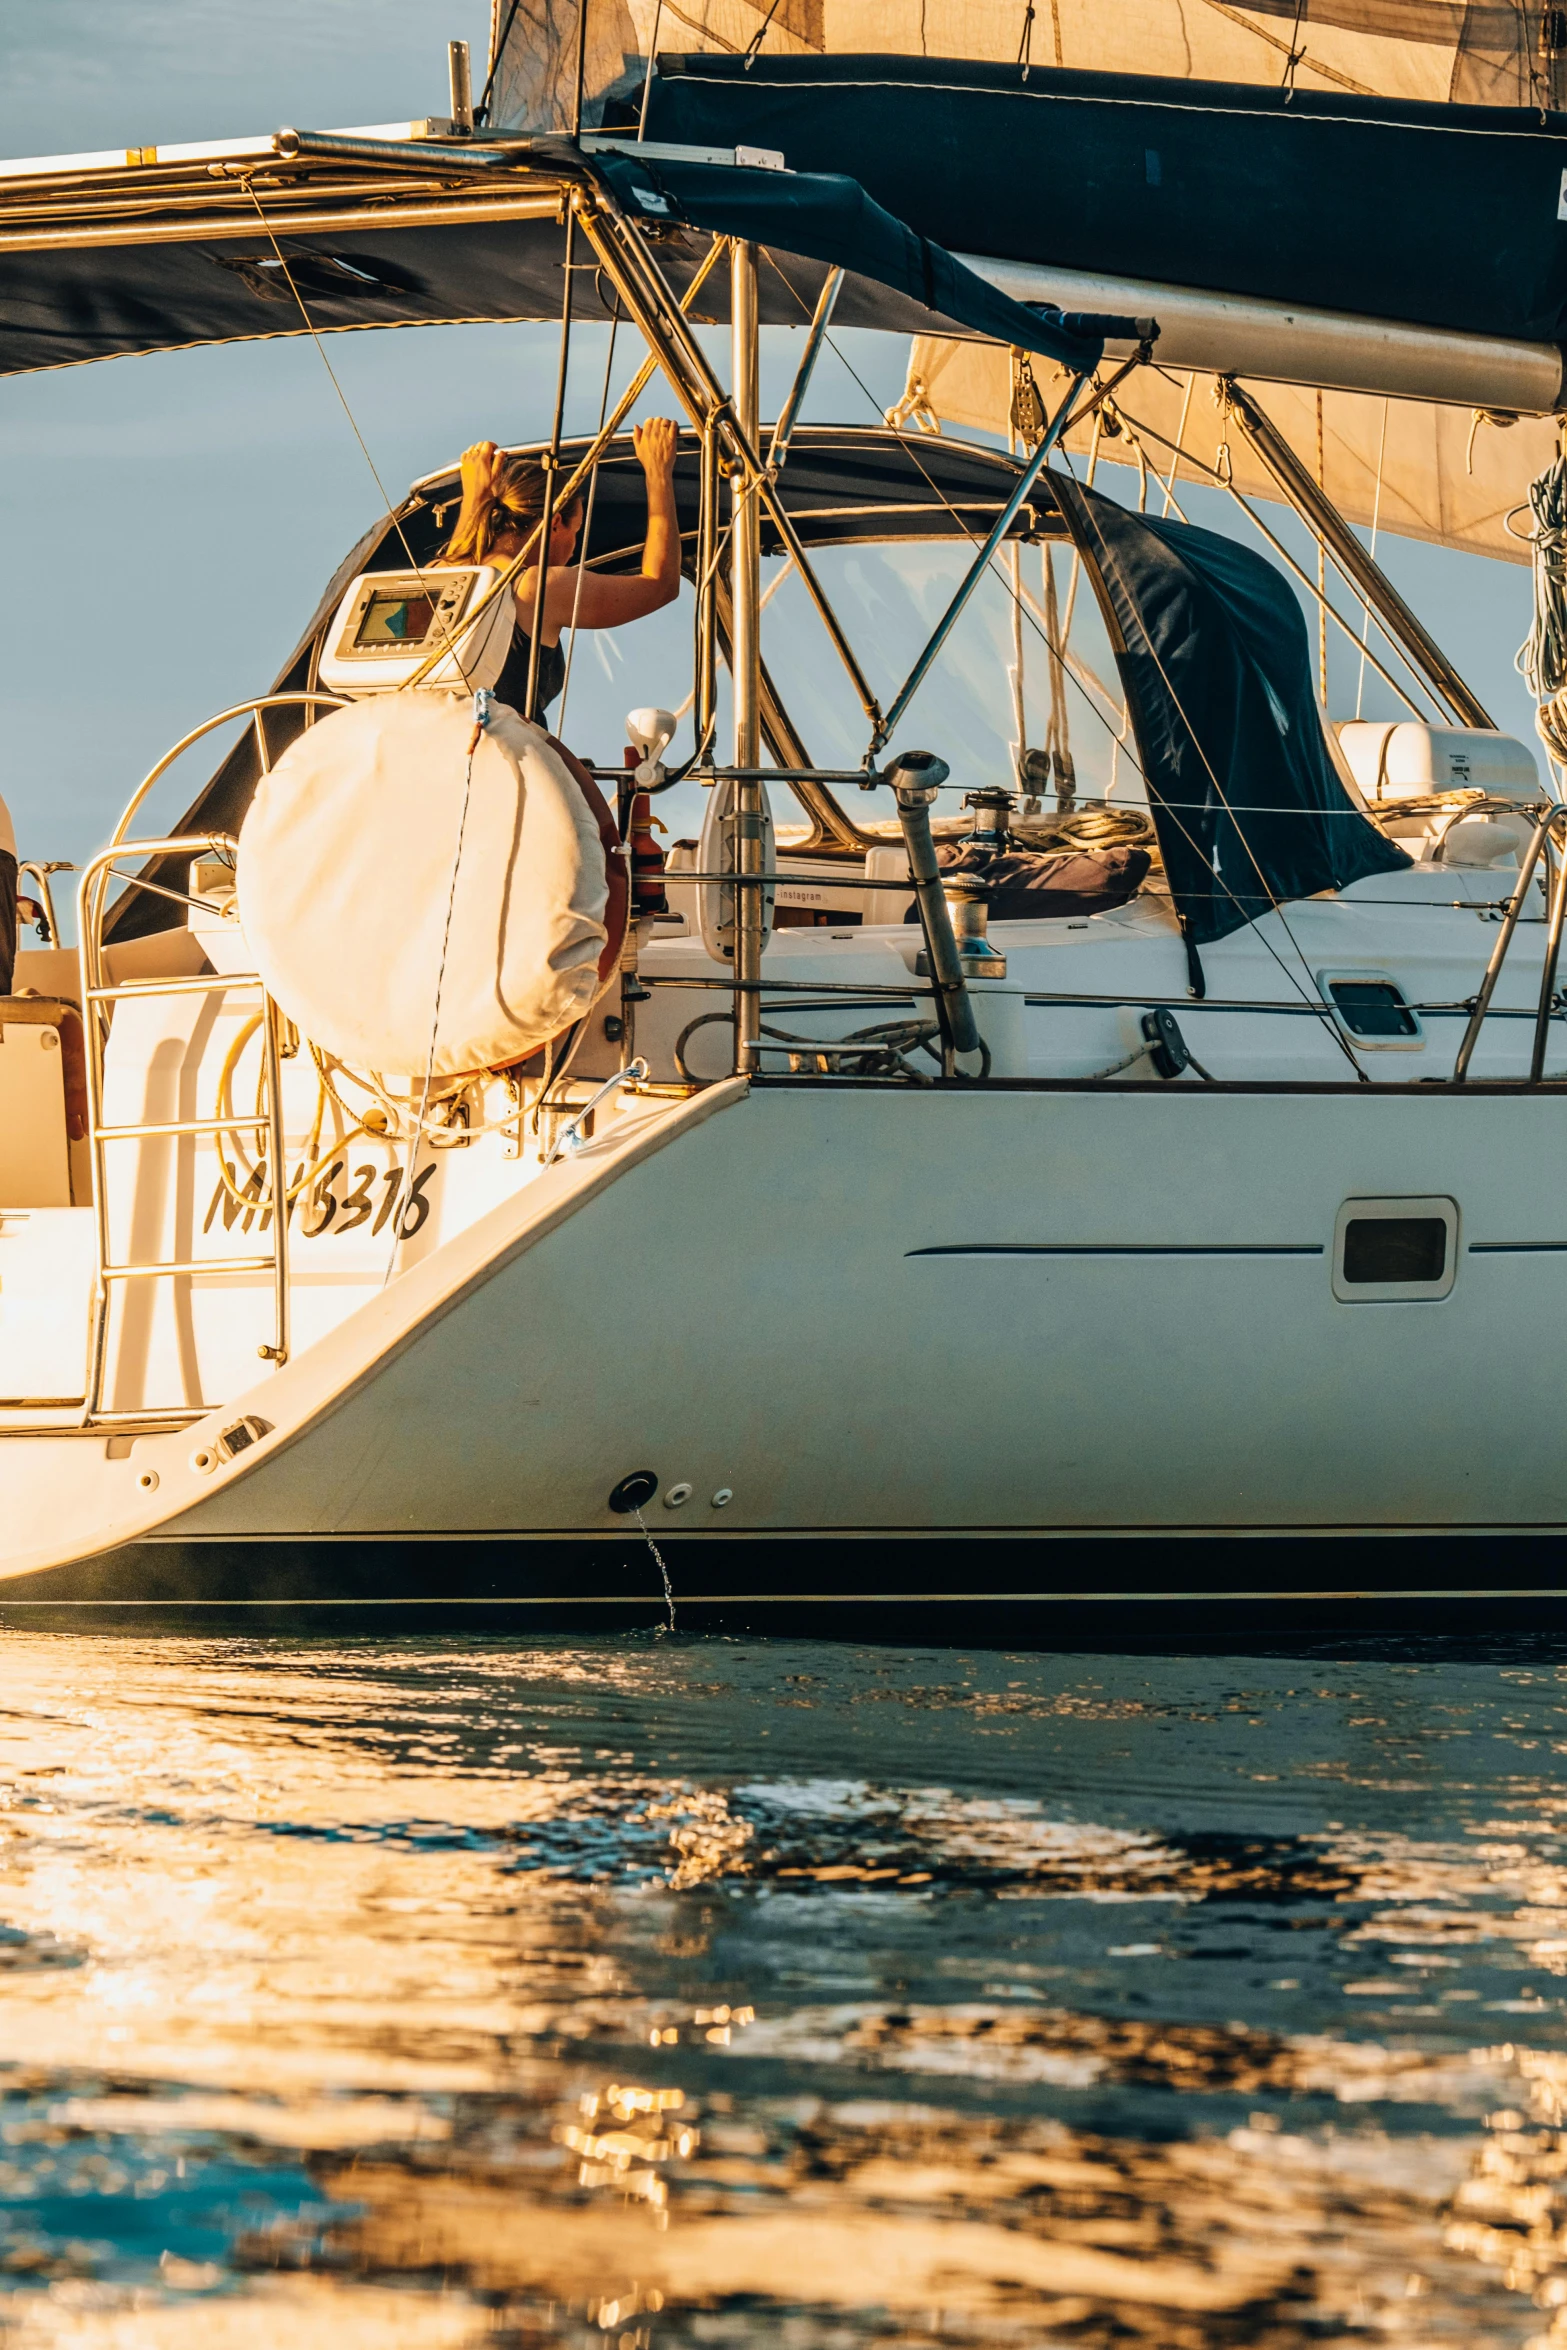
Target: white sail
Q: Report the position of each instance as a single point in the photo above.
(1473, 52)
(1445, 474)
(533, 69)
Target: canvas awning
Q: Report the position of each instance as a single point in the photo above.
(113, 259)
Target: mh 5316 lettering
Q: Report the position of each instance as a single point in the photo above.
(340, 1200)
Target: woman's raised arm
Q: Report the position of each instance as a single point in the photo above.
(606, 603)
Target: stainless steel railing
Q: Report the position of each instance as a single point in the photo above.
(98, 993)
(1552, 815)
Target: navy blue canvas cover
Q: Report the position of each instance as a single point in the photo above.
(1441, 215)
(827, 217)
(1212, 649)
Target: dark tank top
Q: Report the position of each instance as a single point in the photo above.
(511, 686)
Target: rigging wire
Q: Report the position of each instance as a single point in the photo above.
(547, 518)
(1309, 998)
(393, 516)
(416, 1131)
(587, 528)
(1222, 480)
(481, 112)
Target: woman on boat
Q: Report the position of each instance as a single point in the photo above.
(502, 502)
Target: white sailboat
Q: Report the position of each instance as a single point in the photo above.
(938, 1185)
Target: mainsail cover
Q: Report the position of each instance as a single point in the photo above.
(1428, 215)
(826, 217)
(1461, 52)
(1211, 647)
(1412, 467)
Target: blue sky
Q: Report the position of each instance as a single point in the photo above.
(170, 521)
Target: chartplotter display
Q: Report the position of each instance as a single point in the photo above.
(391, 622)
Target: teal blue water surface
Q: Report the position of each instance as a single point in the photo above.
(666, 1992)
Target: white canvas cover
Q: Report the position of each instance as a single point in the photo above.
(1444, 476)
(349, 861)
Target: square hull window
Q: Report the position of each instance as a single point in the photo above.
(1390, 1250)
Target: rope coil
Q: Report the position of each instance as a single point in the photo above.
(1542, 657)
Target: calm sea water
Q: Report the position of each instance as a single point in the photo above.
(655, 1993)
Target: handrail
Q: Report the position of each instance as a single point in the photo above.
(1552, 814)
(254, 707)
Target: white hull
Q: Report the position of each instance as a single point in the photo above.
(1136, 1335)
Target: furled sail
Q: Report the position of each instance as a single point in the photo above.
(1466, 52)
(1448, 475)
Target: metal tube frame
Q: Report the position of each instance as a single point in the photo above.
(253, 709)
(1553, 948)
(40, 870)
(1552, 815)
(96, 990)
(816, 335)
(585, 464)
(883, 727)
(705, 708)
(648, 297)
(747, 803)
(1370, 582)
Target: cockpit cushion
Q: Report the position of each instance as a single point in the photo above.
(407, 919)
(1037, 885)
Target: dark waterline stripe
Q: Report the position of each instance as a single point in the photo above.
(1116, 1248)
(1518, 1248)
(1139, 1595)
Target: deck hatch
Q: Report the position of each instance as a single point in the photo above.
(1372, 1008)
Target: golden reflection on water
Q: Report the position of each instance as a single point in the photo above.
(659, 1995)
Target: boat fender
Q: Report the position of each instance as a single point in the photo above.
(424, 894)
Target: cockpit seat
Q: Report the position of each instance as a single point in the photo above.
(43, 1103)
(1043, 885)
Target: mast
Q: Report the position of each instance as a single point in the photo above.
(745, 580)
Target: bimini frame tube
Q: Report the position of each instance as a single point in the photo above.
(745, 592)
(882, 728)
(1369, 581)
(789, 414)
(660, 320)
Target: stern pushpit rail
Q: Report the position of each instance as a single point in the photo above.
(99, 994)
(1554, 814)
